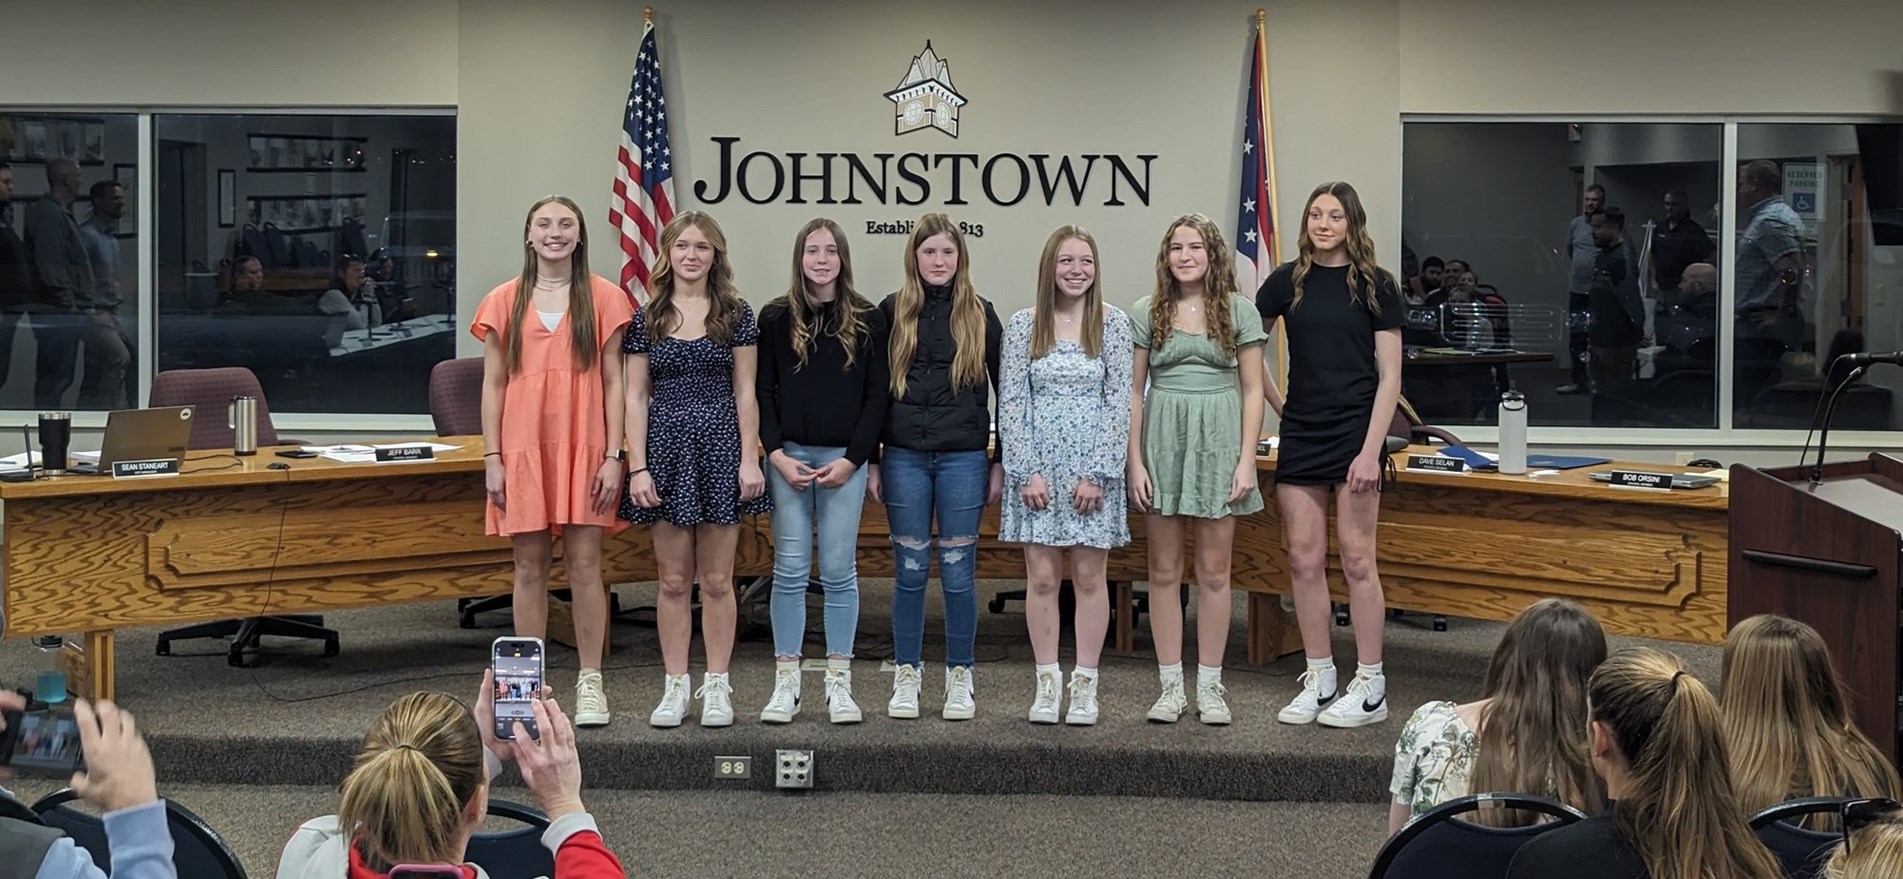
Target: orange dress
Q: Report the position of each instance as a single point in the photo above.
(554, 418)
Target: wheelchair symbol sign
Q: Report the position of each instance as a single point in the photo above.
(1804, 202)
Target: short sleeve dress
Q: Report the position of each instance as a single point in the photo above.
(693, 428)
(1192, 416)
(1332, 374)
(1066, 417)
(554, 416)
(1434, 758)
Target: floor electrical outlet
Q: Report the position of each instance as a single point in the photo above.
(793, 769)
(733, 768)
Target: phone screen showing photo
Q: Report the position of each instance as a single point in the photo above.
(518, 668)
(44, 742)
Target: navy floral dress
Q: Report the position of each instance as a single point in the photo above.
(693, 428)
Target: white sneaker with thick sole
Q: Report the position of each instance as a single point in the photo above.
(1211, 707)
(959, 693)
(716, 708)
(591, 701)
(1308, 703)
(1045, 704)
(785, 702)
(905, 686)
(1363, 704)
(1083, 700)
(1169, 707)
(840, 708)
(673, 707)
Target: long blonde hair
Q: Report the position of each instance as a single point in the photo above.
(802, 307)
(1680, 810)
(581, 292)
(1044, 318)
(723, 310)
(967, 317)
(1365, 275)
(1219, 283)
(1788, 723)
(1533, 730)
(420, 766)
(1871, 852)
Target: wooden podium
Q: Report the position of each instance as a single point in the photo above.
(1828, 555)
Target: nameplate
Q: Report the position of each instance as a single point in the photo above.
(137, 469)
(406, 453)
(1639, 479)
(1436, 463)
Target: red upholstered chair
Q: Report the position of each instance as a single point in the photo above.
(455, 397)
(209, 391)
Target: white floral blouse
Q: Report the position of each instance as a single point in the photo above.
(1434, 758)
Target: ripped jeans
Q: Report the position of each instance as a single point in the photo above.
(918, 485)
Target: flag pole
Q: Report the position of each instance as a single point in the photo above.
(1268, 130)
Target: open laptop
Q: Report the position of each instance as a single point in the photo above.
(141, 435)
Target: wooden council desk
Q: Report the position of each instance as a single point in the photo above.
(231, 538)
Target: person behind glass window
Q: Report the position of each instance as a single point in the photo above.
(1429, 282)
(1581, 254)
(1769, 318)
(351, 295)
(944, 351)
(108, 350)
(247, 281)
(63, 283)
(1063, 419)
(822, 392)
(16, 274)
(1677, 244)
(1616, 319)
(1192, 456)
(1658, 742)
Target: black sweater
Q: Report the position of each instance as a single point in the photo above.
(1591, 849)
(823, 403)
(932, 416)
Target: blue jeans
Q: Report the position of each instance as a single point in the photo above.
(952, 485)
(795, 512)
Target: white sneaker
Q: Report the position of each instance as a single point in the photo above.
(1211, 707)
(1308, 703)
(905, 685)
(839, 704)
(1169, 707)
(591, 701)
(1044, 705)
(1363, 704)
(1083, 700)
(959, 704)
(673, 707)
(785, 703)
(716, 709)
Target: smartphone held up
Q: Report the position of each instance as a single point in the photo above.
(519, 674)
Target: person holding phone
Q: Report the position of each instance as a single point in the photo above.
(1063, 419)
(119, 778)
(943, 352)
(822, 390)
(1192, 447)
(551, 429)
(420, 789)
(693, 438)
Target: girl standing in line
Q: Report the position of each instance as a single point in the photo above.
(1343, 315)
(1063, 419)
(693, 432)
(943, 354)
(551, 428)
(1193, 446)
(822, 389)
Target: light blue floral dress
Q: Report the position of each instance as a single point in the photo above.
(1066, 417)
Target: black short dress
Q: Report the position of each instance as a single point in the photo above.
(1332, 373)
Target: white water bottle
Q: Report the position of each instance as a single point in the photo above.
(1512, 432)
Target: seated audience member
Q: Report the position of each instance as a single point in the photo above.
(382, 271)
(1526, 733)
(1873, 850)
(1788, 723)
(1658, 742)
(1432, 270)
(351, 296)
(120, 779)
(247, 281)
(421, 788)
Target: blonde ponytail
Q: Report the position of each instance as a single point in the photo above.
(421, 764)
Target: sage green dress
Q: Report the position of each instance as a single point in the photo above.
(1192, 416)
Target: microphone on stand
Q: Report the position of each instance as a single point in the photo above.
(1860, 363)
(1868, 358)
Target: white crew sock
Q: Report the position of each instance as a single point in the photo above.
(1324, 669)
(1207, 675)
(1054, 670)
(1090, 673)
(838, 663)
(1171, 672)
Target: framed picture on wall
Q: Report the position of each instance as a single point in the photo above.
(227, 198)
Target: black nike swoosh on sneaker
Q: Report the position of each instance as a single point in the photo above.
(1371, 706)
(1322, 701)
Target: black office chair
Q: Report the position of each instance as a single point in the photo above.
(18, 811)
(197, 850)
(1437, 845)
(513, 854)
(1801, 851)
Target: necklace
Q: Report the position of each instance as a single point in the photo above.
(542, 283)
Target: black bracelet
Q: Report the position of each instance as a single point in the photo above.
(640, 470)
(496, 454)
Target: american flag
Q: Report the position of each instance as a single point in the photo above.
(643, 198)
(1257, 253)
